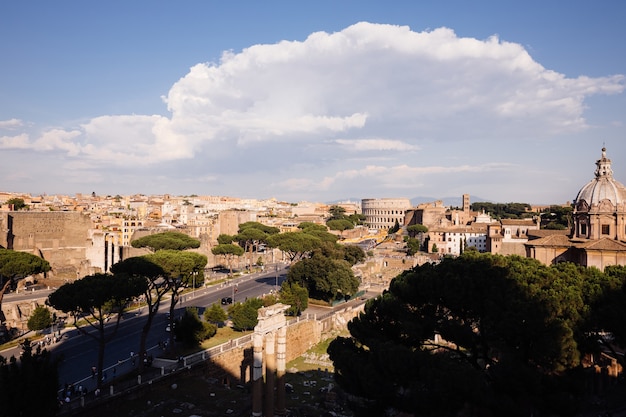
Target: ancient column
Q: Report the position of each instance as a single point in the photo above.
(270, 319)
(281, 365)
(270, 371)
(257, 374)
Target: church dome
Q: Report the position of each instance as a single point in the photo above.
(602, 187)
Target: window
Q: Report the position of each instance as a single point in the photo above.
(605, 229)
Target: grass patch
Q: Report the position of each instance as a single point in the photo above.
(313, 359)
(319, 302)
(223, 335)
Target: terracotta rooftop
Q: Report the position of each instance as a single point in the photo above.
(521, 222)
(538, 233)
(552, 240)
(605, 244)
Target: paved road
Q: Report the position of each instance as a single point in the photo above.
(79, 352)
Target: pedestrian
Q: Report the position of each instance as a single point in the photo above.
(93, 371)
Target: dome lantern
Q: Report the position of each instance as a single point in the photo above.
(602, 188)
(600, 205)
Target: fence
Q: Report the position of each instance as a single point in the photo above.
(84, 395)
(74, 400)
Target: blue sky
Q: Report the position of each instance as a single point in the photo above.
(317, 101)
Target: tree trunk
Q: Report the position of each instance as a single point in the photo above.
(142, 339)
(4, 288)
(100, 366)
(173, 302)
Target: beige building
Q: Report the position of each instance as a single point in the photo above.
(435, 215)
(64, 239)
(383, 213)
(508, 236)
(598, 235)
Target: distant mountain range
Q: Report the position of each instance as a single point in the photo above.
(448, 201)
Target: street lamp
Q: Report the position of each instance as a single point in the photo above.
(193, 291)
(276, 275)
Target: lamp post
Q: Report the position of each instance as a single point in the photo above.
(193, 291)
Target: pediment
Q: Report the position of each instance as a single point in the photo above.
(606, 206)
(582, 206)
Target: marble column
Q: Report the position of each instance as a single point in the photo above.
(270, 372)
(257, 374)
(281, 364)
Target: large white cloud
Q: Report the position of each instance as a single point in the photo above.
(370, 89)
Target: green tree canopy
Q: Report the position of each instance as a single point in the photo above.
(416, 229)
(395, 228)
(15, 265)
(224, 239)
(310, 227)
(504, 210)
(166, 240)
(340, 225)
(324, 278)
(294, 295)
(557, 217)
(270, 230)
(322, 235)
(229, 251)
(40, 319)
(477, 332)
(178, 266)
(215, 314)
(295, 244)
(244, 315)
(349, 253)
(94, 299)
(190, 330)
(157, 287)
(609, 311)
(250, 236)
(412, 245)
(353, 254)
(17, 203)
(339, 213)
(357, 218)
(336, 213)
(181, 268)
